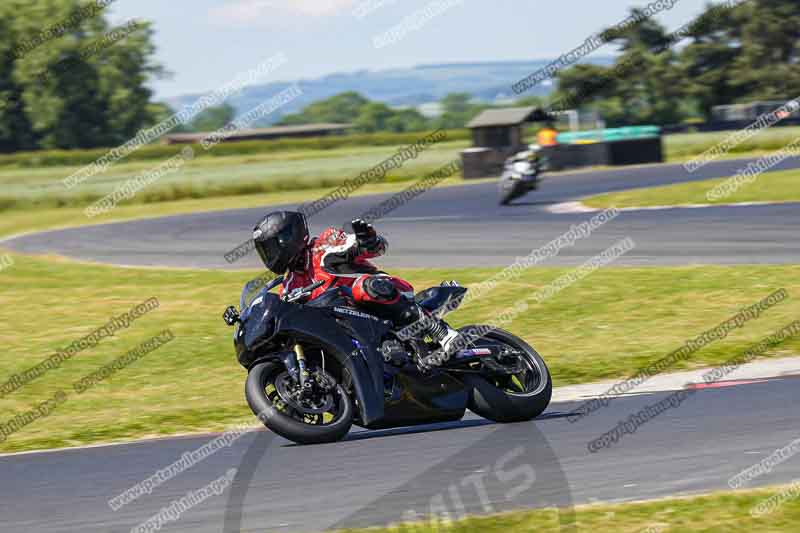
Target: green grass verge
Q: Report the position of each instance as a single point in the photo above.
(152, 152)
(683, 146)
(602, 327)
(770, 187)
(719, 512)
(209, 177)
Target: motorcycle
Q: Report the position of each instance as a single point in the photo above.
(316, 367)
(521, 175)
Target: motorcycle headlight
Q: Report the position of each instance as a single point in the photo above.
(521, 167)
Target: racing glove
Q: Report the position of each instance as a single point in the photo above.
(366, 236)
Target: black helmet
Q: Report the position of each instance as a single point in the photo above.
(280, 238)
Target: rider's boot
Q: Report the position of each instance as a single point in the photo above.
(446, 336)
(440, 332)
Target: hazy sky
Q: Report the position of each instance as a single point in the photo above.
(206, 43)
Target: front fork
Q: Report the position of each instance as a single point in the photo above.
(295, 362)
(301, 365)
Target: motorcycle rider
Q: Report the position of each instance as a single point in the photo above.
(548, 136)
(341, 259)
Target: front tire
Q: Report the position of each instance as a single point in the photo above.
(263, 392)
(508, 190)
(494, 401)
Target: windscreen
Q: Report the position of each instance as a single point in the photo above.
(254, 287)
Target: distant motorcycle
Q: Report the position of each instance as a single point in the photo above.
(521, 174)
(315, 367)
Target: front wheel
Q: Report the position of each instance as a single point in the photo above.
(324, 413)
(515, 387)
(509, 190)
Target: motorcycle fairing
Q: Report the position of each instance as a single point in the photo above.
(419, 398)
(352, 341)
(444, 297)
(256, 326)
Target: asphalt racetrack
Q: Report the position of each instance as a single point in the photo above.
(473, 466)
(378, 477)
(464, 226)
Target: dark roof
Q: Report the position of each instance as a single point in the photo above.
(508, 116)
(268, 132)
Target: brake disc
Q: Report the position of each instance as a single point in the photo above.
(310, 403)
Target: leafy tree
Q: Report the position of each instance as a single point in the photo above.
(530, 101)
(16, 130)
(457, 103)
(457, 111)
(407, 120)
(645, 33)
(159, 112)
(707, 60)
(746, 53)
(86, 99)
(373, 117)
(213, 118)
(650, 93)
(343, 108)
(366, 116)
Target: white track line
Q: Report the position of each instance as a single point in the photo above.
(580, 207)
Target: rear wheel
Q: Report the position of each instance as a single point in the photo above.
(513, 387)
(320, 413)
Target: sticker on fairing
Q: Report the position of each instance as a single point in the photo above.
(475, 352)
(358, 314)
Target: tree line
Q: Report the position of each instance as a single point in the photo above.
(370, 117)
(81, 83)
(734, 52)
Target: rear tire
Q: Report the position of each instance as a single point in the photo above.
(494, 403)
(264, 374)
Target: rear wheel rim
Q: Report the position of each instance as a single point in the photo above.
(529, 381)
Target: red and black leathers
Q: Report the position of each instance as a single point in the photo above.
(339, 259)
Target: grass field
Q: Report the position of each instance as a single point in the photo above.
(771, 187)
(605, 326)
(719, 512)
(683, 146)
(27, 188)
(266, 169)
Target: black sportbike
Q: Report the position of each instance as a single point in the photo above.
(316, 367)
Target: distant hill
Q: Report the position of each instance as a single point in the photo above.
(486, 82)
